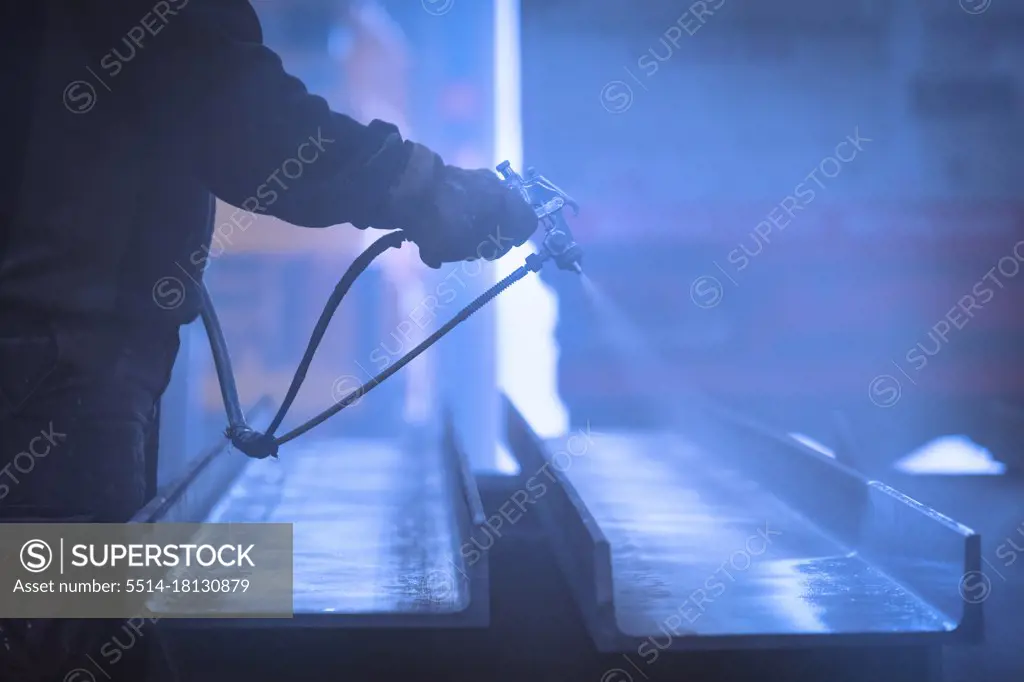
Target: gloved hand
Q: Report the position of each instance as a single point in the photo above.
(453, 214)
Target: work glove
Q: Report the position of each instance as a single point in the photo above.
(453, 214)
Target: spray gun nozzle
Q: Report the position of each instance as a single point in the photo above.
(562, 248)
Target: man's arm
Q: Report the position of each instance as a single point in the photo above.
(260, 141)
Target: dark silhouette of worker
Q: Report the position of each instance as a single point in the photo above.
(123, 120)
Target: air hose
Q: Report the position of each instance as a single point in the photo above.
(261, 445)
(558, 245)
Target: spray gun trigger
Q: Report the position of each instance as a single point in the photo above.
(551, 189)
(549, 208)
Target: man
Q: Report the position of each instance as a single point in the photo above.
(124, 120)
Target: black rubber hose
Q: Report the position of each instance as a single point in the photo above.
(460, 317)
(222, 362)
(260, 445)
(390, 240)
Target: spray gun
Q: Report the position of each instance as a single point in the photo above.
(557, 244)
(547, 200)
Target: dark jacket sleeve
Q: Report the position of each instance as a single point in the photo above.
(259, 139)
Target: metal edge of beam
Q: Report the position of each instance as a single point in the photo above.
(581, 549)
(470, 517)
(837, 494)
(865, 515)
(928, 553)
(896, 533)
(898, 530)
(469, 513)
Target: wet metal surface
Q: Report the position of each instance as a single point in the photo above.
(374, 532)
(699, 548)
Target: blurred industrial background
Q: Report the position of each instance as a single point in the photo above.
(828, 181)
(811, 212)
